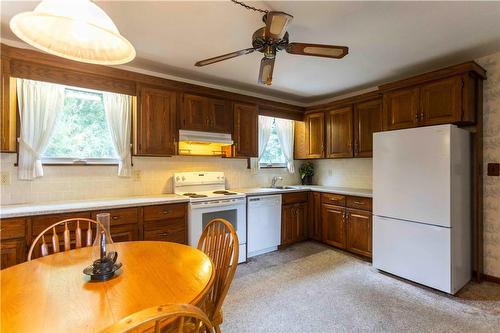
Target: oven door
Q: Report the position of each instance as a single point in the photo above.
(232, 210)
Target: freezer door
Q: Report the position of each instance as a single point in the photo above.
(414, 251)
(411, 174)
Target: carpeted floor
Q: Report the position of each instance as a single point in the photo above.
(313, 288)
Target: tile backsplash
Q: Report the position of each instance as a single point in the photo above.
(155, 177)
(347, 172)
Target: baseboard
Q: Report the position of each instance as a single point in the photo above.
(491, 278)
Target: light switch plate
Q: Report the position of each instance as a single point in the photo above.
(493, 169)
(137, 175)
(5, 176)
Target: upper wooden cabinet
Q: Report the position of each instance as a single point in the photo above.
(441, 97)
(245, 135)
(339, 137)
(441, 101)
(314, 135)
(401, 108)
(199, 113)
(156, 122)
(367, 120)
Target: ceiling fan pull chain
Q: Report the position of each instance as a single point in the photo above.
(250, 7)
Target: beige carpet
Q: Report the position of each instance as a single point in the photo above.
(313, 288)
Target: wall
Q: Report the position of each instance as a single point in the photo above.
(348, 172)
(94, 182)
(491, 112)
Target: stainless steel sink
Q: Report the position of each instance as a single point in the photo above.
(281, 188)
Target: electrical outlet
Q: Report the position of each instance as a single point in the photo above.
(5, 178)
(137, 175)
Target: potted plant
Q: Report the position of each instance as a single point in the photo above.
(306, 172)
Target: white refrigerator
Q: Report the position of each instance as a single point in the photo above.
(422, 205)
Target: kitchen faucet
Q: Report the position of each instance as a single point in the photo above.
(275, 180)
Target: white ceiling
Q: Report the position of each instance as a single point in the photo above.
(386, 40)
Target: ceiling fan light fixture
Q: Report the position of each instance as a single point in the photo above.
(77, 30)
(266, 71)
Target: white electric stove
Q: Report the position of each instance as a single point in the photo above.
(209, 199)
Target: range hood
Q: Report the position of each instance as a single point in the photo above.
(195, 137)
(204, 143)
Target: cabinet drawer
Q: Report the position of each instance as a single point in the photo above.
(166, 230)
(42, 222)
(119, 216)
(359, 203)
(12, 228)
(296, 197)
(161, 212)
(333, 199)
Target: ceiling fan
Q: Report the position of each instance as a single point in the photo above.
(273, 38)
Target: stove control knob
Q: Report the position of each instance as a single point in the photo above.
(177, 178)
(183, 178)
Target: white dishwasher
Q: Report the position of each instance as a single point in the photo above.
(263, 224)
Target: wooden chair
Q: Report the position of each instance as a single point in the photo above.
(82, 237)
(220, 242)
(179, 318)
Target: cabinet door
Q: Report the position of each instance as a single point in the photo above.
(359, 232)
(333, 220)
(314, 135)
(194, 113)
(124, 233)
(441, 101)
(367, 120)
(300, 222)
(156, 122)
(314, 226)
(245, 130)
(221, 117)
(339, 133)
(288, 225)
(12, 252)
(171, 230)
(401, 108)
(8, 105)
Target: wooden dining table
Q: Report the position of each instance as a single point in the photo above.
(51, 294)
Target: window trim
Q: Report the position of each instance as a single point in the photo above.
(79, 161)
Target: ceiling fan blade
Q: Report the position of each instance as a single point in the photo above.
(318, 50)
(224, 57)
(276, 23)
(266, 71)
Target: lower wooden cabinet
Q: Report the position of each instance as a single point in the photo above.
(166, 222)
(314, 226)
(333, 220)
(359, 232)
(348, 228)
(12, 252)
(294, 214)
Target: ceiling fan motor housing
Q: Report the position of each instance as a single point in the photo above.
(266, 45)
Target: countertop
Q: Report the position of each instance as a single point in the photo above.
(86, 205)
(298, 188)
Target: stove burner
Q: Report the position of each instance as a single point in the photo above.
(224, 192)
(194, 195)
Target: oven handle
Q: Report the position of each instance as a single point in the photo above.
(217, 204)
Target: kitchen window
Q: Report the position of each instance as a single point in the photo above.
(273, 156)
(81, 134)
(276, 143)
(68, 125)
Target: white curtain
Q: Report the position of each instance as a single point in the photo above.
(284, 129)
(118, 110)
(265, 125)
(40, 104)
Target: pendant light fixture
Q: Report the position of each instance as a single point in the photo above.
(77, 30)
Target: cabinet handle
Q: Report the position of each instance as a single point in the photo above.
(115, 217)
(166, 211)
(359, 203)
(422, 116)
(163, 234)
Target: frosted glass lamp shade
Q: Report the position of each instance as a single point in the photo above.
(77, 29)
